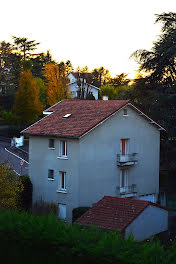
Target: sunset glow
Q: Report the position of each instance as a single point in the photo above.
(93, 33)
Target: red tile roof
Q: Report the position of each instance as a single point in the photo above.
(86, 75)
(85, 115)
(114, 213)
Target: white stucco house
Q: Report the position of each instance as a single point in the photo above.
(141, 218)
(83, 150)
(86, 80)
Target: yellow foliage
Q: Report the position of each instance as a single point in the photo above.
(27, 104)
(10, 187)
(56, 83)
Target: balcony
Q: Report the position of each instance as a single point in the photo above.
(127, 191)
(126, 159)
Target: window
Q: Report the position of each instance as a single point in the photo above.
(125, 113)
(123, 180)
(51, 143)
(50, 174)
(62, 211)
(62, 181)
(63, 148)
(124, 146)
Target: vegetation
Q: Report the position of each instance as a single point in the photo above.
(10, 187)
(25, 197)
(56, 83)
(27, 105)
(46, 239)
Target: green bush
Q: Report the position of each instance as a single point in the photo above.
(44, 208)
(25, 238)
(10, 118)
(77, 212)
(26, 194)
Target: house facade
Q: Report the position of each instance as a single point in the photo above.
(83, 150)
(85, 80)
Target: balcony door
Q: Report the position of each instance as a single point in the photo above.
(124, 146)
(123, 180)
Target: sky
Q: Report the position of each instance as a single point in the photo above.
(87, 32)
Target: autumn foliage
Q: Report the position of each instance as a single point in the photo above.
(27, 104)
(56, 83)
(10, 187)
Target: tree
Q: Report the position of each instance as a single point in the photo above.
(109, 90)
(24, 46)
(155, 89)
(42, 91)
(56, 83)
(119, 80)
(27, 105)
(101, 76)
(159, 62)
(10, 187)
(84, 81)
(10, 67)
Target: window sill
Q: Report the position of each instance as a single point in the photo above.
(50, 179)
(62, 157)
(51, 148)
(61, 191)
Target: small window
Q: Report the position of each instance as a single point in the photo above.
(50, 174)
(62, 181)
(51, 143)
(125, 112)
(62, 211)
(63, 148)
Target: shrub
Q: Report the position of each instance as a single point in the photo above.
(77, 212)
(44, 208)
(26, 194)
(10, 187)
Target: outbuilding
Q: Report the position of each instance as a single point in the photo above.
(141, 218)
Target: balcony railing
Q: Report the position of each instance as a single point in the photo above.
(126, 159)
(127, 189)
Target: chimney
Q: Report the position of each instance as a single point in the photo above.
(105, 97)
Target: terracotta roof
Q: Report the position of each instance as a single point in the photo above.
(114, 213)
(85, 115)
(87, 75)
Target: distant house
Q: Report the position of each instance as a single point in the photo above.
(83, 150)
(83, 81)
(141, 218)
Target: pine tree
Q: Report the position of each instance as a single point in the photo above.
(27, 104)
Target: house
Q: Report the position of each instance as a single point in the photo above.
(141, 218)
(83, 81)
(83, 150)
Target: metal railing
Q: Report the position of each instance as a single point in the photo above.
(127, 189)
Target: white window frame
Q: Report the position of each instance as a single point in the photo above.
(61, 155)
(62, 187)
(49, 143)
(62, 207)
(123, 173)
(50, 179)
(125, 112)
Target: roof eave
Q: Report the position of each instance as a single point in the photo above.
(49, 135)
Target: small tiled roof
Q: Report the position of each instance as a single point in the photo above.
(85, 115)
(87, 75)
(114, 213)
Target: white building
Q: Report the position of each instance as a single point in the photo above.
(86, 149)
(85, 83)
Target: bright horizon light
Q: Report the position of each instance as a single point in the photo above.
(90, 33)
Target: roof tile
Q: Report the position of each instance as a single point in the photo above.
(114, 213)
(85, 114)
